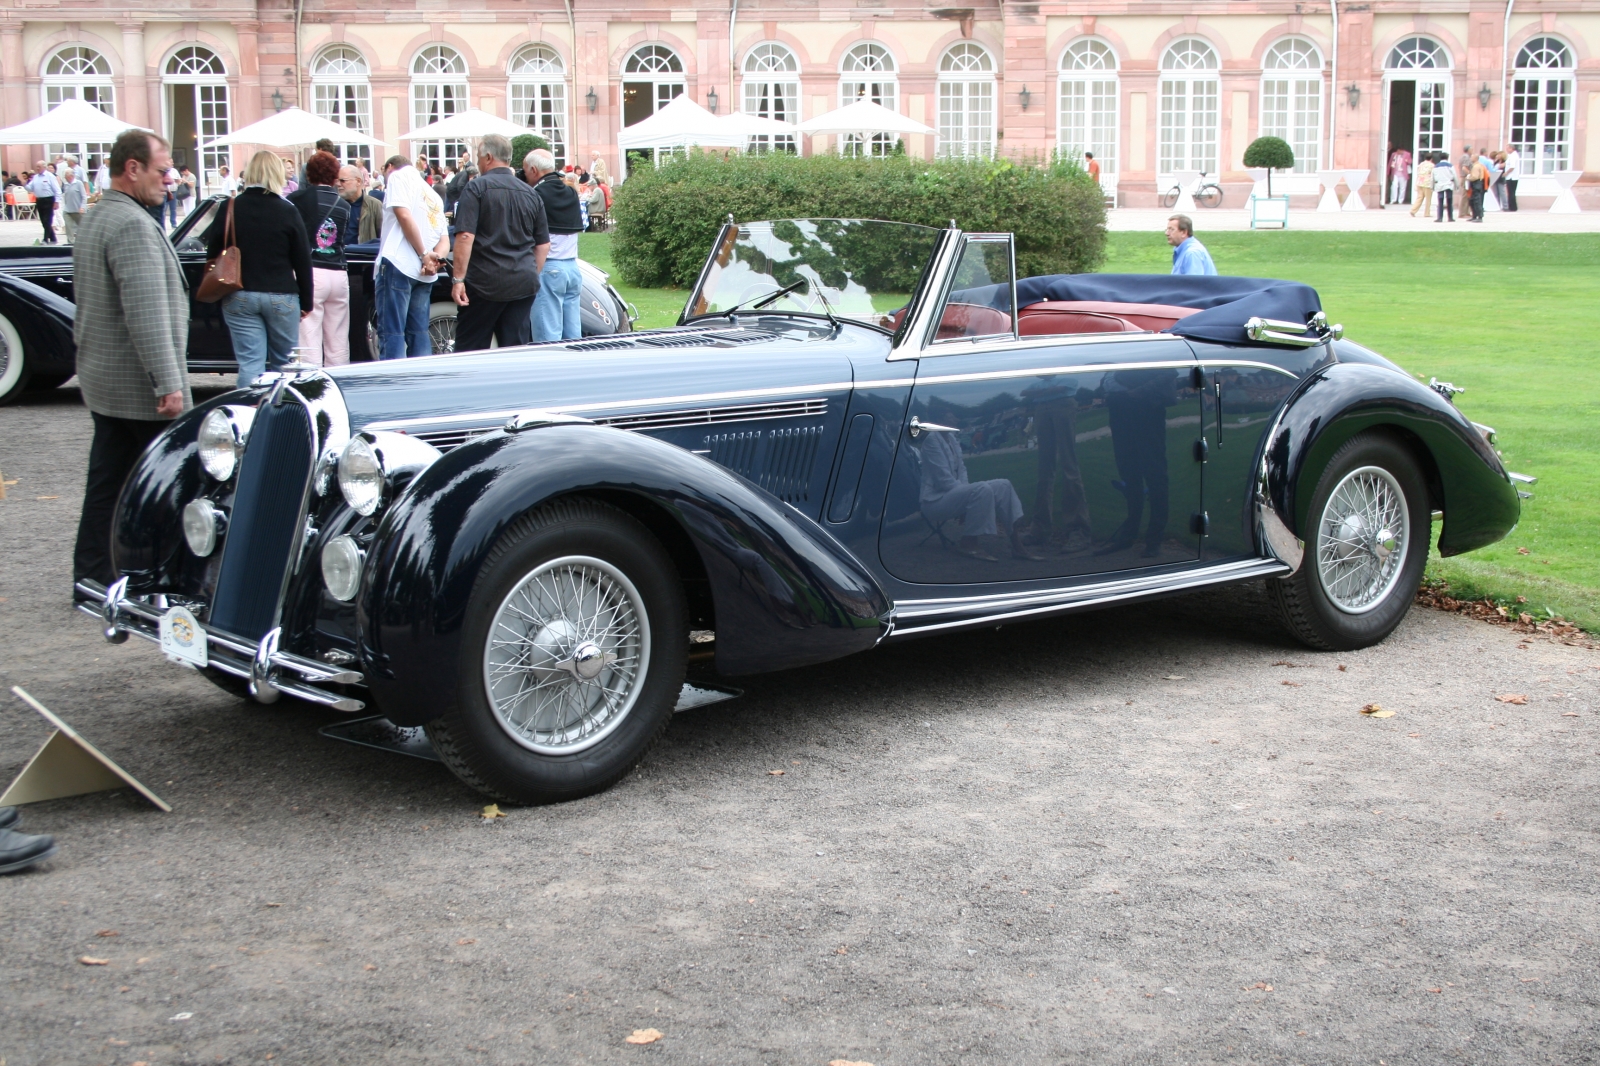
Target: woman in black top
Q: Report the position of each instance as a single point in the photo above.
(325, 332)
(264, 317)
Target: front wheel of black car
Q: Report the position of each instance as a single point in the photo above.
(573, 656)
(1368, 530)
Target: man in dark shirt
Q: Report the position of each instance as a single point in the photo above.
(502, 239)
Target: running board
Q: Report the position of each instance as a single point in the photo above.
(917, 617)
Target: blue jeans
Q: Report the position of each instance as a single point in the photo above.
(265, 327)
(172, 211)
(402, 313)
(555, 309)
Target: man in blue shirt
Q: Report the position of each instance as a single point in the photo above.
(1189, 256)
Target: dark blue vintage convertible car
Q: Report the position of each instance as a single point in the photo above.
(858, 432)
(37, 352)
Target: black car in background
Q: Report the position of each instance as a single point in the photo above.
(36, 349)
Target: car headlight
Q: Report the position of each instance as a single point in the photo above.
(222, 437)
(372, 463)
(202, 522)
(341, 567)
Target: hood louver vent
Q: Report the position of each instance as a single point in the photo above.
(673, 339)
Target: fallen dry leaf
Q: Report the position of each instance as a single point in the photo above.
(1413, 734)
(369, 966)
(775, 773)
(846, 1062)
(114, 1042)
(644, 1036)
(1570, 714)
(47, 497)
(90, 960)
(493, 811)
(1523, 551)
(1343, 668)
(1173, 677)
(1375, 710)
(107, 932)
(1292, 684)
(1262, 985)
(1436, 990)
(841, 950)
(465, 940)
(1513, 697)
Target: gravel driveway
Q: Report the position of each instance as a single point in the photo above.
(1159, 834)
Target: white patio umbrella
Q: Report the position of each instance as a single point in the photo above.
(70, 122)
(863, 117)
(755, 126)
(680, 124)
(295, 128)
(468, 125)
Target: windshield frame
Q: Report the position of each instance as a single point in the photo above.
(727, 239)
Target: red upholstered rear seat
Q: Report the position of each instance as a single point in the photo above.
(1053, 317)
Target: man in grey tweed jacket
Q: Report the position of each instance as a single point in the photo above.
(132, 332)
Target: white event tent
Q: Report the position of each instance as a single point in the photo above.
(682, 123)
(70, 122)
(863, 118)
(295, 128)
(746, 125)
(469, 125)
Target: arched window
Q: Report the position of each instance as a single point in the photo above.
(772, 90)
(539, 96)
(1190, 89)
(1291, 99)
(652, 78)
(966, 102)
(438, 90)
(1541, 106)
(868, 73)
(79, 73)
(1088, 96)
(1418, 53)
(195, 92)
(341, 93)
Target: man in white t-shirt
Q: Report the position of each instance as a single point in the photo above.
(1513, 174)
(411, 246)
(227, 184)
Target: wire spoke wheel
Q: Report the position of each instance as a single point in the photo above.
(1362, 539)
(566, 655)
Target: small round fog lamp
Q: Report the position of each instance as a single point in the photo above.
(341, 567)
(200, 521)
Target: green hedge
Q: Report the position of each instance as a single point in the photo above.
(667, 217)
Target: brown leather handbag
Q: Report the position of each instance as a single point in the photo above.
(225, 273)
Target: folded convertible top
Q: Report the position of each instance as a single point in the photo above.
(1225, 303)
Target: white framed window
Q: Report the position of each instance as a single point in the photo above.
(1291, 99)
(1087, 96)
(966, 102)
(1190, 91)
(539, 96)
(1418, 53)
(77, 72)
(438, 90)
(1541, 106)
(651, 79)
(869, 72)
(340, 92)
(771, 89)
(1425, 63)
(195, 93)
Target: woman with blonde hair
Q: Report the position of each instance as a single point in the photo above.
(275, 259)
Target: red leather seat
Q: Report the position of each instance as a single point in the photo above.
(1050, 317)
(972, 320)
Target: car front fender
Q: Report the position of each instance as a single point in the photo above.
(44, 323)
(1338, 401)
(784, 592)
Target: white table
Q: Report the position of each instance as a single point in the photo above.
(1566, 203)
(1330, 189)
(1355, 179)
(1187, 181)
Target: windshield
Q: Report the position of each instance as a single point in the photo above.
(860, 270)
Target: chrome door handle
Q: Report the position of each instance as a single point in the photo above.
(919, 427)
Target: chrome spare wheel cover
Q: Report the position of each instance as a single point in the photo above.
(566, 655)
(1362, 539)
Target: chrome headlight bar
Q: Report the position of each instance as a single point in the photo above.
(1300, 335)
(372, 462)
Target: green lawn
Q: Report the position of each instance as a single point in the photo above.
(1509, 316)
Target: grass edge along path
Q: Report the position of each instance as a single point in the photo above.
(1456, 305)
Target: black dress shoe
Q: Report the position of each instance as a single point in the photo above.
(18, 851)
(9, 816)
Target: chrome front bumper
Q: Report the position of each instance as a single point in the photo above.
(268, 671)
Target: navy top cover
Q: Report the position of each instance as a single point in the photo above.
(1226, 303)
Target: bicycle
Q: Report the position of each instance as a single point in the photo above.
(1207, 194)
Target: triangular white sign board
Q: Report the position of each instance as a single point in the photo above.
(68, 765)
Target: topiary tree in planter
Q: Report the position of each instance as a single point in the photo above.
(1273, 153)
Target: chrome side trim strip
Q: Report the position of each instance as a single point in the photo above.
(984, 611)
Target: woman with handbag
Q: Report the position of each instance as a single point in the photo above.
(325, 332)
(263, 235)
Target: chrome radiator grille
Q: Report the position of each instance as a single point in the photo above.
(264, 528)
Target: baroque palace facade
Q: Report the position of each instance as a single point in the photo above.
(1152, 88)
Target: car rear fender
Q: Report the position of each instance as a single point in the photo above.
(1336, 402)
(44, 324)
(784, 593)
